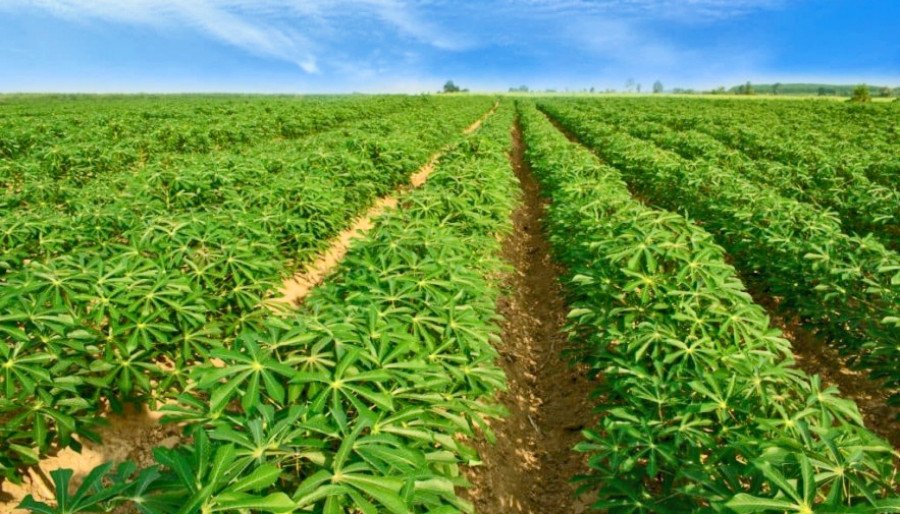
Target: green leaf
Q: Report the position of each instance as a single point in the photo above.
(275, 502)
(744, 503)
(261, 477)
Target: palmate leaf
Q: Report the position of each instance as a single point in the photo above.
(347, 383)
(249, 371)
(269, 438)
(50, 417)
(352, 487)
(214, 481)
(127, 372)
(24, 370)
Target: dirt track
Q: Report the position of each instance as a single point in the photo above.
(529, 468)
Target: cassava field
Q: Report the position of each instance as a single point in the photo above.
(451, 303)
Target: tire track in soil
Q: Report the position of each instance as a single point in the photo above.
(134, 434)
(811, 353)
(529, 468)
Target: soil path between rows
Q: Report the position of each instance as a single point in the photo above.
(295, 289)
(812, 354)
(529, 468)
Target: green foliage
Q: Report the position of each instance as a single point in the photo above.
(702, 409)
(752, 142)
(861, 94)
(140, 247)
(116, 281)
(355, 402)
(843, 286)
(203, 477)
(801, 89)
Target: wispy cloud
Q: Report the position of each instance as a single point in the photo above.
(685, 10)
(230, 22)
(408, 45)
(288, 30)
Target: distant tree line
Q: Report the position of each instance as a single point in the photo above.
(808, 89)
(859, 93)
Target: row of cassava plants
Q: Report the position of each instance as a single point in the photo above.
(49, 215)
(356, 403)
(827, 136)
(845, 137)
(845, 287)
(135, 288)
(48, 157)
(863, 206)
(64, 137)
(702, 409)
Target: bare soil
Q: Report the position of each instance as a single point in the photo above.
(131, 435)
(529, 469)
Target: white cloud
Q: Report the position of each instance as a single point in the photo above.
(294, 31)
(685, 10)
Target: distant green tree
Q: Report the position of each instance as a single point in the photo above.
(861, 94)
(657, 87)
(776, 87)
(450, 87)
(822, 91)
(592, 89)
(746, 89)
(885, 92)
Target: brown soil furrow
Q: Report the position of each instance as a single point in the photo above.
(528, 470)
(296, 288)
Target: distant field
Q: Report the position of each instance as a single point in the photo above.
(690, 303)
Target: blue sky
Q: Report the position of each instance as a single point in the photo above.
(392, 45)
